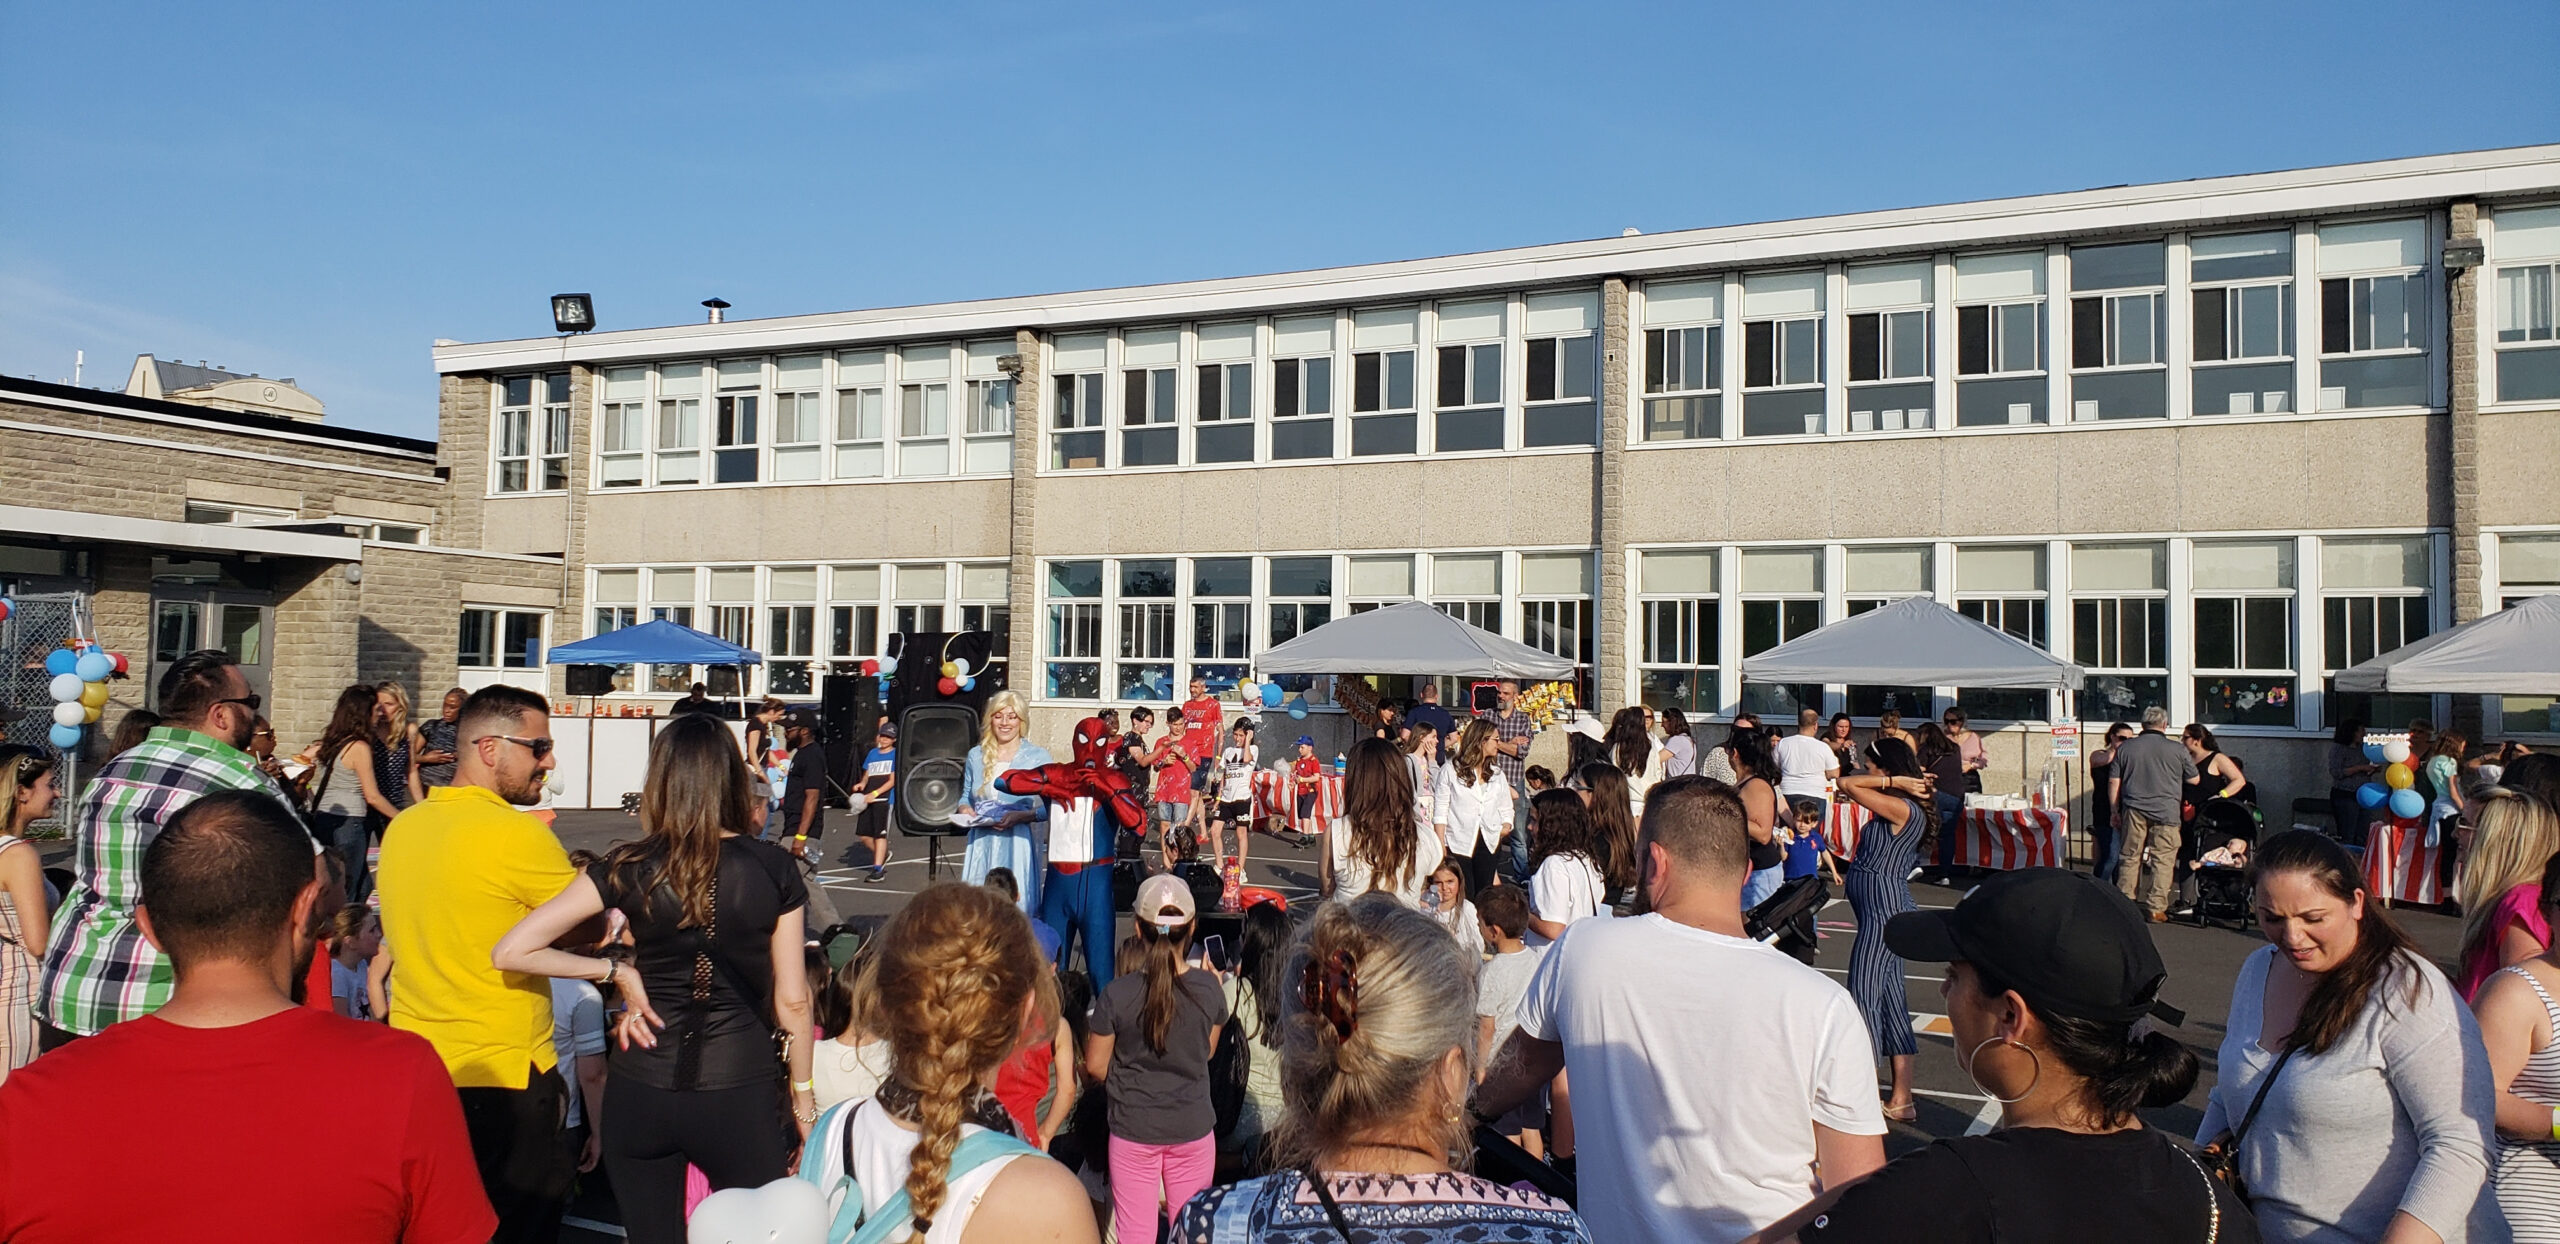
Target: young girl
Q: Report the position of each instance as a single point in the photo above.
(1179, 835)
(1564, 883)
(1235, 794)
(1613, 831)
(1152, 1034)
(852, 1060)
(1444, 899)
(355, 937)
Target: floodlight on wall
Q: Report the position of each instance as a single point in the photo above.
(2462, 254)
(573, 313)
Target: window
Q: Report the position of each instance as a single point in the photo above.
(1145, 667)
(1782, 391)
(389, 533)
(532, 448)
(2000, 336)
(2528, 566)
(1678, 609)
(2243, 632)
(799, 420)
(1683, 347)
(734, 410)
(2120, 628)
(987, 434)
(1467, 587)
(246, 515)
(2373, 315)
(924, 411)
(1221, 618)
(1383, 419)
(985, 605)
(2119, 328)
(1224, 405)
(494, 638)
(2527, 250)
(917, 594)
(1876, 576)
(622, 429)
(862, 414)
(1301, 594)
(671, 594)
(1782, 600)
(2242, 292)
(1302, 388)
(2374, 597)
(1467, 400)
(1075, 631)
(733, 592)
(1076, 416)
(1561, 358)
(616, 604)
(1150, 398)
(2003, 587)
(680, 423)
(1555, 612)
(1889, 385)
(853, 615)
(791, 629)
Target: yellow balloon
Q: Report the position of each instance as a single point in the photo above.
(2398, 777)
(89, 714)
(94, 695)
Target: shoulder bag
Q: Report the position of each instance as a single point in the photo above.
(2221, 1159)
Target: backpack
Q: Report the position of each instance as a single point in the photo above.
(827, 1164)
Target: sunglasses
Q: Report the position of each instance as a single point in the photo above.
(249, 702)
(539, 747)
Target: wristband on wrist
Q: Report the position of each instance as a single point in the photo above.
(2555, 1123)
(804, 1086)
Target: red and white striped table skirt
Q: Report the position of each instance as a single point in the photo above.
(1274, 797)
(1985, 838)
(2400, 866)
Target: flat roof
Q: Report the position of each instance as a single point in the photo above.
(2161, 206)
(272, 427)
(160, 533)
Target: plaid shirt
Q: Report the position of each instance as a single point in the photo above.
(98, 970)
(1513, 727)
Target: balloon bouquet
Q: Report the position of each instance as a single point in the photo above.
(80, 670)
(2396, 795)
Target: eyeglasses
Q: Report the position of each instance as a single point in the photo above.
(539, 747)
(249, 702)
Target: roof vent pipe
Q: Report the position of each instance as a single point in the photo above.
(717, 306)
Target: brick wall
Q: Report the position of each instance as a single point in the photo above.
(462, 448)
(140, 468)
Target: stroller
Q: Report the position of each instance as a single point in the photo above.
(2222, 891)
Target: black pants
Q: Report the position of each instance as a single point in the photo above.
(515, 1141)
(50, 1038)
(1476, 868)
(739, 1137)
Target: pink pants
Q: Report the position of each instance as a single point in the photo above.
(1139, 1172)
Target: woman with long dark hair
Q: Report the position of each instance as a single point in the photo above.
(1473, 802)
(1377, 845)
(1754, 767)
(715, 918)
(1566, 882)
(1896, 793)
(1153, 1031)
(1943, 761)
(1633, 752)
(1678, 743)
(1841, 737)
(2370, 1088)
(345, 786)
(1613, 829)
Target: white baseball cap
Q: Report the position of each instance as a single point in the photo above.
(1164, 900)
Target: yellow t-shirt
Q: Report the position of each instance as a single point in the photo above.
(457, 872)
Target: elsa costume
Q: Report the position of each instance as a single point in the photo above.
(1017, 848)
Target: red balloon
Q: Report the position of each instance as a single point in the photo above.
(948, 686)
(870, 668)
(120, 661)
(4, 611)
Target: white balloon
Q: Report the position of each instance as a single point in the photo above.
(70, 713)
(2396, 752)
(786, 1211)
(66, 686)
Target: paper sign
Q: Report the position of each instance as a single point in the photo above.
(2066, 742)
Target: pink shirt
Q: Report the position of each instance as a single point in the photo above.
(2521, 906)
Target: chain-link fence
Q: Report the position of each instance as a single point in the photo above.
(37, 626)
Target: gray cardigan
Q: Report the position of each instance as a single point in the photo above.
(2397, 1115)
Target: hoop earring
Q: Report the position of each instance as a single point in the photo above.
(1977, 1080)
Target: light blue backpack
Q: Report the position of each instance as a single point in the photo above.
(826, 1162)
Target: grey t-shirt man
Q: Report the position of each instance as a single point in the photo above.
(2152, 771)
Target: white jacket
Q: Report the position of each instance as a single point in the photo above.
(1471, 814)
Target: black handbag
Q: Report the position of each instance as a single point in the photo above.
(2221, 1159)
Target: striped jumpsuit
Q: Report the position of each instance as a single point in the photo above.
(1879, 885)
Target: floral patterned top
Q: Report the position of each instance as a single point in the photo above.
(1281, 1208)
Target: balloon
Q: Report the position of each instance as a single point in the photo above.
(2373, 753)
(1298, 709)
(2396, 752)
(122, 666)
(66, 686)
(62, 661)
(69, 713)
(63, 736)
(888, 666)
(951, 669)
(1271, 695)
(89, 714)
(968, 682)
(870, 667)
(2372, 795)
(94, 666)
(948, 685)
(789, 1208)
(94, 694)
(7, 607)
(2407, 803)
(2398, 777)
(960, 668)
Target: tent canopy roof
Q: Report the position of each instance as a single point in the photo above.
(1914, 641)
(1410, 638)
(655, 642)
(2515, 651)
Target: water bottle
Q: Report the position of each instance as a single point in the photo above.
(1341, 764)
(2044, 787)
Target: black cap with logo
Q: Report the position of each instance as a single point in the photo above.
(2068, 943)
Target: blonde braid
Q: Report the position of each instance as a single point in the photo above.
(954, 969)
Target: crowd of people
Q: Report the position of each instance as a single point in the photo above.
(1522, 1006)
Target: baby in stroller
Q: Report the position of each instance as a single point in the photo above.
(2217, 881)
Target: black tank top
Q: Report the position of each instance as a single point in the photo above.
(1772, 853)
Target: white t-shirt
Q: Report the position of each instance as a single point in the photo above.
(843, 1072)
(1500, 984)
(881, 1153)
(1802, 760)
(1235, 766)
(1351, 877)
(1565, 888)
(577, 1031)
(1705, 1061)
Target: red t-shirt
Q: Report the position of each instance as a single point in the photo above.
(1173, 781)
(318, 989)
(1306, 770)
(1202, 722)
(1022, 1082)
(299, 1126)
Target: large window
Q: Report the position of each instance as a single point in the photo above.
(1076, 411)
(1221, 619)
(735, 412)
(614, 605)
(2003, 587)
(853, 613)
(2373, 315)
(791, 629)
(1875, 576)
(1781, 600)
(1468, 587)
(1380, 580)
(1683, 343)
(1302, 595)
(987, 424)
(2000, 334)
(1682, 628)
(918, 593)
(1150, 397)
(2526, 248)
(985, 604)
(1467, 401)
(671, 599)
(1302, 388)
(1144, 670)
(1223, 393)
(1889, 356)
(532, 434)
(2528, 566)
(1555, 611)
(2119, 331)
(1074, 648)
(2243, 600)
(1383, 414)
(493, 638)
(862, 414)
(799, 418)
(1561, 358)
(2241, 288)
(2374, 597)
(924, 411)
(1782, 393)
(2120, 628)
(622, 429)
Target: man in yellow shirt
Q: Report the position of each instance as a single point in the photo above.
(459, 870)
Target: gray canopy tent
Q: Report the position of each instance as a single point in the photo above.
(2515, 651)
(1411, 638)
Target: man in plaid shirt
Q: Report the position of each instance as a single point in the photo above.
(99, 970)
(1512, 734)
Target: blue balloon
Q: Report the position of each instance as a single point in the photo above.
(1298, 709)
(64, 736)
(94, 666)
(2408, 804)
(2372, 795)
(2373, 753)
(969, 683)
(64, 661)
(1271, 695)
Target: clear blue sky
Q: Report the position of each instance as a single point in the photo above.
(322, 190)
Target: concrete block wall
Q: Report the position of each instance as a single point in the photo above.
(316, 656)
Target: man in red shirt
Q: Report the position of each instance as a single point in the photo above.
(229, 1078)
(1202, 722)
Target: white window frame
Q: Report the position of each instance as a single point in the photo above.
(738, 425)
(2198, 673)
(1072, 629)
(541, 452)
(1656, 382)
(2419, 306)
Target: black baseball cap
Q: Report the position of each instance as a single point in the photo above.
(2069, 944)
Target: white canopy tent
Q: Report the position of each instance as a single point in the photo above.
(1914, 641)
(1410, 638)
(2515, 651)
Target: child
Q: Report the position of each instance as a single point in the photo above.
(1235, 794)
(879, 798)
(1564, 883)
(2233, 853)
(1303, 773)
(1807, 852)
(1173, 763)
(355, 937)
(1538, 778)
(1502, 916)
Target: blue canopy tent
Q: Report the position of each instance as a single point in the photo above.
(655, 642)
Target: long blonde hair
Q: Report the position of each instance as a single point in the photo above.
(954, 967)
(2517, 835)
(1472, 759)
(696, 787)
(398, 728)
(1373, 996)
(997, 703)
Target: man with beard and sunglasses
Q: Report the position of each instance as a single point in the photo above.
(459, 870)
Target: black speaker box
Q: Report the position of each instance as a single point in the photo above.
(933, 752)
(591, 680)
